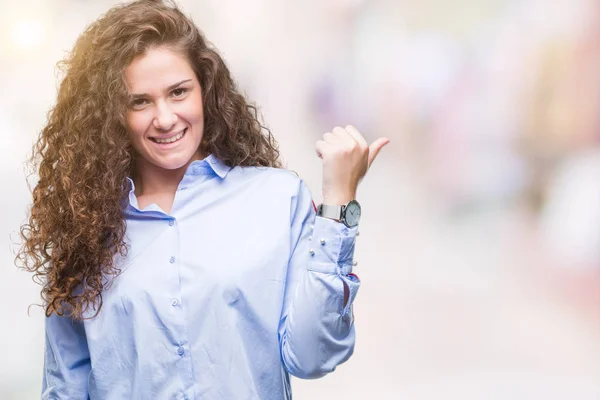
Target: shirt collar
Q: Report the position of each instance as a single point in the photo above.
(199, 167)
(208, 165)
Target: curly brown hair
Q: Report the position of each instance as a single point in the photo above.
(83, 154)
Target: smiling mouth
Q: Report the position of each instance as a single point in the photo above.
(170, 140)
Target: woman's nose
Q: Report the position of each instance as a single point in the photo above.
(165, 118)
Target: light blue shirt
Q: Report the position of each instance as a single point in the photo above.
(240, 286)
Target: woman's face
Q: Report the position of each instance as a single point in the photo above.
(165, 119)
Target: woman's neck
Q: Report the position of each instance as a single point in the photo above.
(154, 184)
(150, 179)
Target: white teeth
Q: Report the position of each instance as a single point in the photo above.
(170, 140)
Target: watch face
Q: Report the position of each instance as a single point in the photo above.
(352, 213)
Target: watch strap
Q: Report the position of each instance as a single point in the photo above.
(330, 211)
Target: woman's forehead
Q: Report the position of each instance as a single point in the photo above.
(157, 69)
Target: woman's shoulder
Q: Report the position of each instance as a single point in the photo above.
(278, 183)
(270, 175)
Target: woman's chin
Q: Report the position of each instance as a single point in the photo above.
(156, 164)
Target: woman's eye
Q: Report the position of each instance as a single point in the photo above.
(179, 92)
(137, 103)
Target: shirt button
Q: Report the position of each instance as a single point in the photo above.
(171, 222)
(180, 351)
(174, 302)
(172, 260)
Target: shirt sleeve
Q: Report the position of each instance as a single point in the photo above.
(66, 360)
(316, 330)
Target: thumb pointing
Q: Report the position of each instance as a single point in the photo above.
(376, 147)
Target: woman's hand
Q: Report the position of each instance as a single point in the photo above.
(346, 159)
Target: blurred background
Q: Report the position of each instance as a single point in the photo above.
(479, 251)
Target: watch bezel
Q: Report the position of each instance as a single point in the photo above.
(345, 219)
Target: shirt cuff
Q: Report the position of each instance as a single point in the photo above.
(332, 247)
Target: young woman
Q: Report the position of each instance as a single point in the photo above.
(178, 259)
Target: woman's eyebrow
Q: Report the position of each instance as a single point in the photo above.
(171, 87)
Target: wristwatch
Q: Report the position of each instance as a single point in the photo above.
(349, 214)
